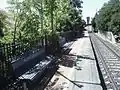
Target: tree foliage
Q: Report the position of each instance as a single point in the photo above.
(3, 17)
(5, 24)
(107, 19)
(31, 19)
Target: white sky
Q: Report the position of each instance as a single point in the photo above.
(3, 4)
(89, 6)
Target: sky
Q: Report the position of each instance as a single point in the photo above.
(89, 6)
(3, 4)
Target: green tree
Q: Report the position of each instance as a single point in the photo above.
(5, 33)
(3, 17)
(108, 17)
(34, 18)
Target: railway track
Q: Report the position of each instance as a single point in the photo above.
(108, 57)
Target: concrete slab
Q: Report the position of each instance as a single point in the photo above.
(85, 72)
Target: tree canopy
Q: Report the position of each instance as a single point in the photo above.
(107, 19)
(30, 19)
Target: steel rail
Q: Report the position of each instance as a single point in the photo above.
(100, 48)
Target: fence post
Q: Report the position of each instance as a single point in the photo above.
(25, 86)
(2, 58)
(3, 81)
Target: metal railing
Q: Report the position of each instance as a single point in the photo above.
(13, 52)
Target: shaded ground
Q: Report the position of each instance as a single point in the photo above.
(68, 61)
(66, 66)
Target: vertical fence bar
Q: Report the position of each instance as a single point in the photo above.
(1, 59)
(4, 60)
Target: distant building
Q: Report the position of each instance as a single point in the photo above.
(88, 20)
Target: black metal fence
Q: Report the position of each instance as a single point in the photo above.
(15, 51)
(10, 53)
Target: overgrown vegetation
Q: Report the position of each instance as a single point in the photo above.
(108, 17)
(31, 19)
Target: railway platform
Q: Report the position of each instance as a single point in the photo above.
(85, 73)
